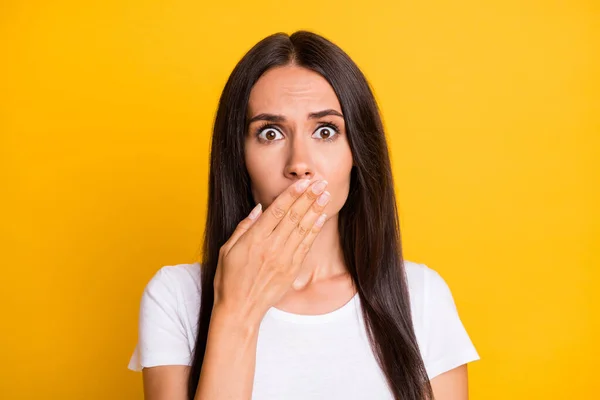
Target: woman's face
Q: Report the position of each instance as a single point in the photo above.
(296, 131)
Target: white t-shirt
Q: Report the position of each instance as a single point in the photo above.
(301, 357)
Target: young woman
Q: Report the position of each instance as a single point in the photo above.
(302, 292)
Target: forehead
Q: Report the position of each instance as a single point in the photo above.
(291, 88)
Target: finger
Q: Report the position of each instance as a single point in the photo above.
(278, 209)
(301, 249)
(300, 208)
(242, 228)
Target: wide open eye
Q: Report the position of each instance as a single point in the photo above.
(327, 132)
(269, 134)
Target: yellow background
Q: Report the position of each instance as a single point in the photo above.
(492, 112)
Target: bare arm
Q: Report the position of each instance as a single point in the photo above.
(229, 361)
(451, 385)
(165, 382)
(227, 371)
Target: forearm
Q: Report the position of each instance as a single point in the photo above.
(229, 360)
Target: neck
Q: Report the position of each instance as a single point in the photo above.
(325, 259)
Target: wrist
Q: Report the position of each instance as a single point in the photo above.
(234, 321)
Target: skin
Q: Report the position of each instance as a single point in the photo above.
(296, 149)
(293, 148)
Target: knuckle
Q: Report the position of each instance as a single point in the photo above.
(275, 262)
(271, 253)
(310, 195)
(278, 212)
(292, 193)
(302, 231)
(294, 216)
(243, 224)
(241, 229)
(249, 237)
(317, 208)
(257, 249)
(303, 249)
(255, 246)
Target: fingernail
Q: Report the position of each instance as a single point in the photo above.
(302, 185)
(323, 199)
(298, 284)
(321, 220)
(319, 187)
(254, 213)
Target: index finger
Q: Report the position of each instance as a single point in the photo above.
(271, 217)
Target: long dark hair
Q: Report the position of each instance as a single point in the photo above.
(368, 221)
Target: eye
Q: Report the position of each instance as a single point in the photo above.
(269, 134)
(327, 132)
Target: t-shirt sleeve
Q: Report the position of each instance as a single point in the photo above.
(162, 338)
(447, 343)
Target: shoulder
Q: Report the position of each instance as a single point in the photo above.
(174, 287)
(441, 335)
(167, 317)
(179, 278)
(430, 297)
(426, 287)
(424, 282)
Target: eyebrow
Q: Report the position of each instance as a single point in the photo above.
(281, 118)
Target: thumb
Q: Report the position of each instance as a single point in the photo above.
(302, 280)
(242, 228)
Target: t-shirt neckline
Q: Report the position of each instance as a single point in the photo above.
(315, 319)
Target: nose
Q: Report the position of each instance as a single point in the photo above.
(300, 164)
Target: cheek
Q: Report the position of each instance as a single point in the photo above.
(260, 168)
(337, 164)
(338, 175)
(254, 163)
